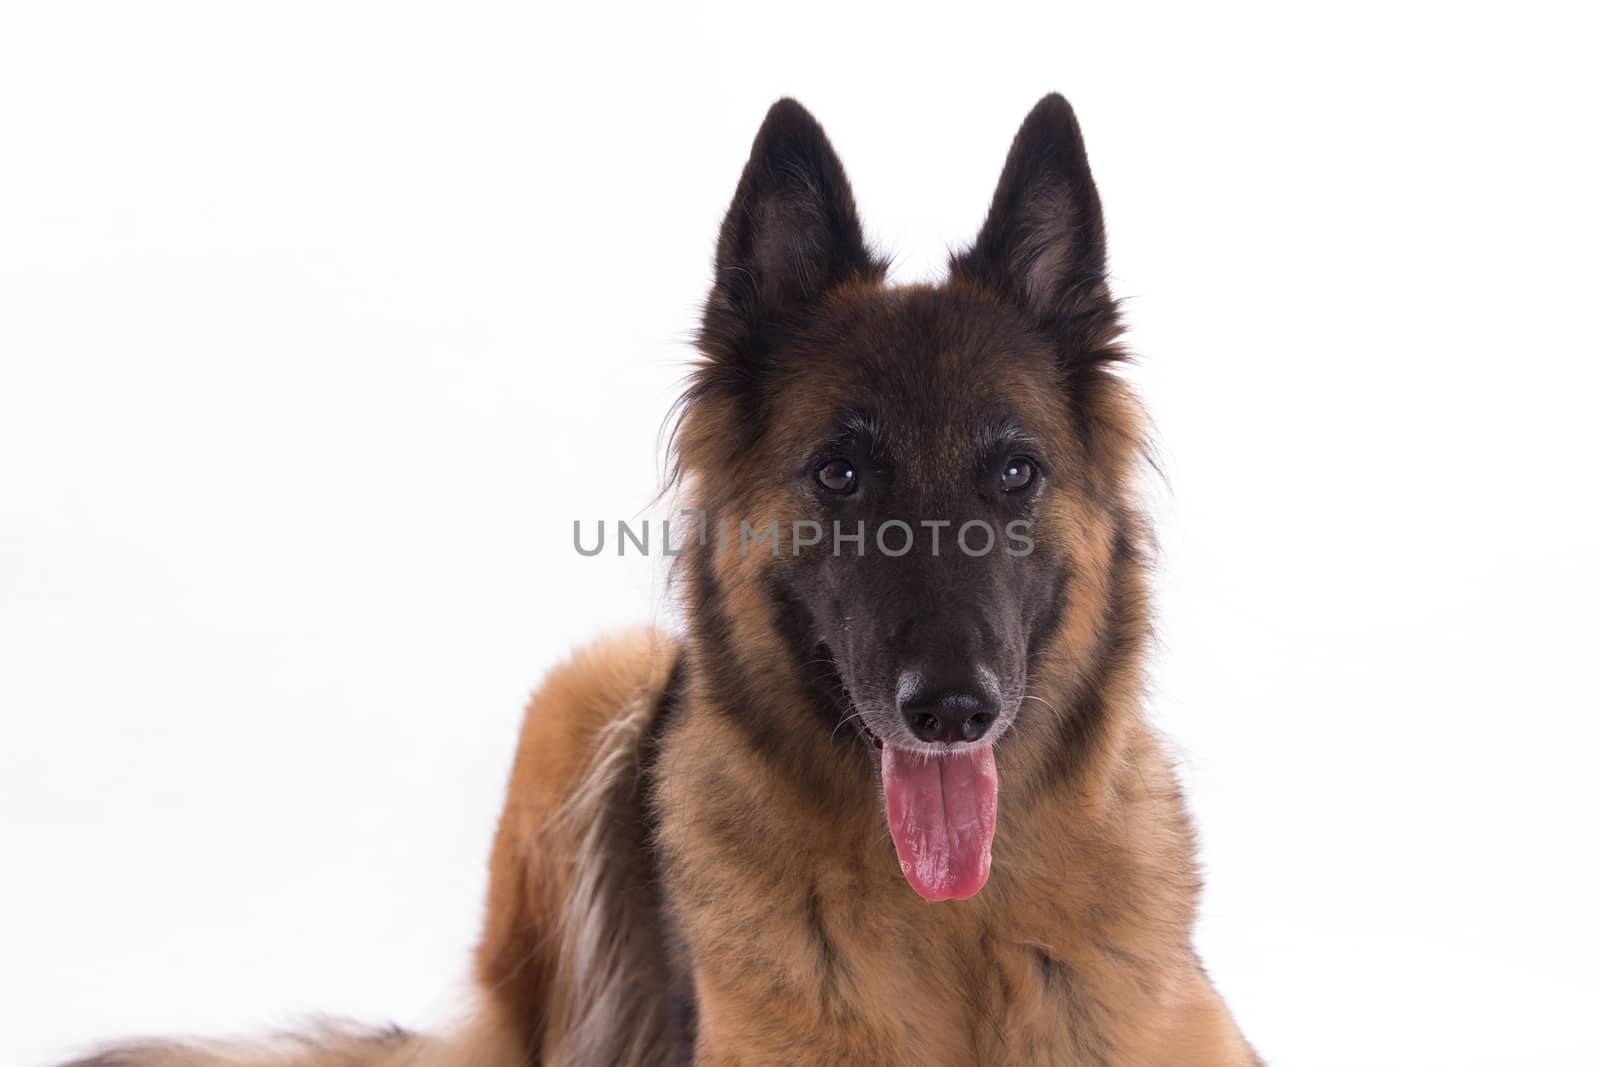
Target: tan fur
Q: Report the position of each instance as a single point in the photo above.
(681, 828)
(1076, 953)
(567, 948)
(803, 955)
(807, 945)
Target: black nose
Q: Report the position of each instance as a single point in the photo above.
(948, 713)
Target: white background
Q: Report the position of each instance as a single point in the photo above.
(319, 323)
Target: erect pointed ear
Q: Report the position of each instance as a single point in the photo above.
(1044, 246)
(790, 235)
(1044, 241)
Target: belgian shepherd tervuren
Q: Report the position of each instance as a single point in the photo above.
(891, 799)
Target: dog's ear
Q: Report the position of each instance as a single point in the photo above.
(1043, 245)
(1043, 242)
(790, 235)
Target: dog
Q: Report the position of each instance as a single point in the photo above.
(890, 799)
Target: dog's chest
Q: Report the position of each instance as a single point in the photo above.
(933, 987)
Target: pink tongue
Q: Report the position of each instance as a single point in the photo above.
(941, 813)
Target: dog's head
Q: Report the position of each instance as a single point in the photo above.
(914, 496)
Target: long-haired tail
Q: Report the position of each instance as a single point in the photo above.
(571, 969)
(484, 1045)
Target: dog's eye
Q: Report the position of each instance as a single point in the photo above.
(837, 476)
(1019, 474)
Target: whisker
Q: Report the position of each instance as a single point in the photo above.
(1060, 718)
(847, 718)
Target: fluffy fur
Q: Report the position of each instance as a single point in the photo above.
(693, 865)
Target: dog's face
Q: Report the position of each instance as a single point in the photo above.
(920, 447)
(920, 485)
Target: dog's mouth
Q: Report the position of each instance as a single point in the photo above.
(941, 808)
(867, 735)
(941, 803)
(942, 811)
